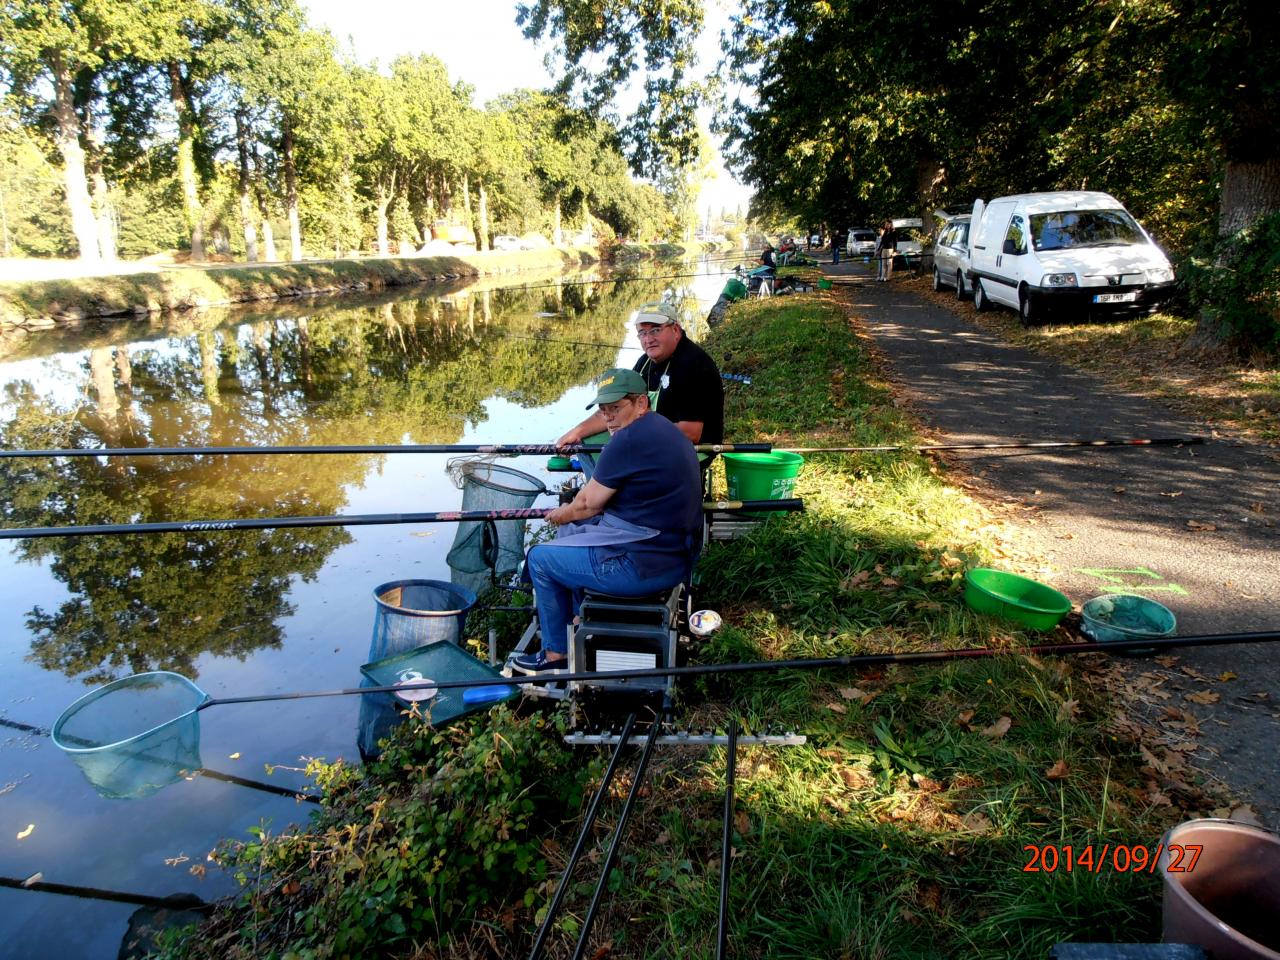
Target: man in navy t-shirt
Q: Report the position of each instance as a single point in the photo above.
(633, 529)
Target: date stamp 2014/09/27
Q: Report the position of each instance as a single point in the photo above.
(1119, 857)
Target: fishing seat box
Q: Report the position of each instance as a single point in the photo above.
(627, 633)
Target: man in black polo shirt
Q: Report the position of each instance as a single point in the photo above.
(684, 382)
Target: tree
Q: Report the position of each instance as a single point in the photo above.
(656, 37)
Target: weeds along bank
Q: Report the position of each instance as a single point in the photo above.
(902, 828)
(46, 303)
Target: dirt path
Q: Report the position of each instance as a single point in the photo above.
(1197, 528)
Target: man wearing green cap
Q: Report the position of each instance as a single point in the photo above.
(633, 529)
(682, 380)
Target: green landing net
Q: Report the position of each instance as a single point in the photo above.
(136, 735)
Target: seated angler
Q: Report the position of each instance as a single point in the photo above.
(633, 529)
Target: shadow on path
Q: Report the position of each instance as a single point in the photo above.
(1113, 520)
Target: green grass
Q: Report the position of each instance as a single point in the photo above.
(898, 830)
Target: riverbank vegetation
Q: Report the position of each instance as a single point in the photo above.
(901, 828)
(236, 131)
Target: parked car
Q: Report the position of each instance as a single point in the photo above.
(1077, 251)
(910, 231)
(504, 241)
(862, 242)
(951, 256)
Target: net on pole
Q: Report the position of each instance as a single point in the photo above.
(486, 550)
(135, 735)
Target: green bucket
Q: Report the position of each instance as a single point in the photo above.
(1026, 601)
(824, 284)
(762, 476)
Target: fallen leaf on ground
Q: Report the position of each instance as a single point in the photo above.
(998, 729)
(926, 784)
(1226, 675)
(1059, 771)
(1170, 493)
(1166, 661)
(859, 578)
(1199, 525)
(1118, 490)
(1152, 760)
(1067, 710)
(1204, 696)
(27, 832)
(850, 693)
(1159, 799)
(1245, 814)
(976, 822)
(837, 708)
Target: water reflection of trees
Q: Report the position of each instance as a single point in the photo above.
(375, 373)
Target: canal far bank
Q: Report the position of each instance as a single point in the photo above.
(45, 303)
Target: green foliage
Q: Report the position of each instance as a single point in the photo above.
(446, 823)
(1237, 285)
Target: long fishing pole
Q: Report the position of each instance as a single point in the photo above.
(818, 663)
(35, 883)
(546, 449)
(355, 520)
(1018, 445)
(497, 449)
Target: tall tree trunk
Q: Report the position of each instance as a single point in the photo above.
(930, 176)
(67, 136)
(1249, 190)
(207, 341)
(557, 233)
(385, 195)
(482, 238)
(191, 210)
(246, 201)
(290, 188)
(106, 215)
(466, 199)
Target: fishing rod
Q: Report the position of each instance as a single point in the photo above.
(1020, 445)
(815, 663)
(498, 449)
(356, 520)
(180, 901)
(543, 449)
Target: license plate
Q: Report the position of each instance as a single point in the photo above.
(1116, 297)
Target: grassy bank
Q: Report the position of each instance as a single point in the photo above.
(44, 303)
(902, 827)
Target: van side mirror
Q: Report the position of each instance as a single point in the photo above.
(1010, 247)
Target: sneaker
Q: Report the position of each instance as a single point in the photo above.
(537, 662)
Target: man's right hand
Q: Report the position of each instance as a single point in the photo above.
(570, 439)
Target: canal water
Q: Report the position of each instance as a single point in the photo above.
(252, 612)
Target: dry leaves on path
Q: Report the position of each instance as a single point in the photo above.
(998, 729)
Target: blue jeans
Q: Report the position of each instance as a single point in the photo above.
(561, 574)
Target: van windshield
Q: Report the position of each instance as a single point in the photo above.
(1084, 228)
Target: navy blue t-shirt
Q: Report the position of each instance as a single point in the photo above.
(653, 469)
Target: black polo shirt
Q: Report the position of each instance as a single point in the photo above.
(689, 388)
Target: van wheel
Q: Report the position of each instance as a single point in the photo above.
(937, 280)
(960, 290)
(1028, 312)
(980, 301)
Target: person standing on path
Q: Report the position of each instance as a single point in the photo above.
(886, 250)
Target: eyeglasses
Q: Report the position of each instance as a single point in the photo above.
(609, 409)
(650, 333)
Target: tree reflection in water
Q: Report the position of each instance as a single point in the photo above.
(386, 370)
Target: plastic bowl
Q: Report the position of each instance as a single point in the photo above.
(1125, 616)
(1026, 601)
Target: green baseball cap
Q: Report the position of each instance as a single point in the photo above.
(616, 384)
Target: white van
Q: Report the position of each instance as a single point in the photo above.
(1077, 251)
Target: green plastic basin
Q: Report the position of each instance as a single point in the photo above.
(1021, 599)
